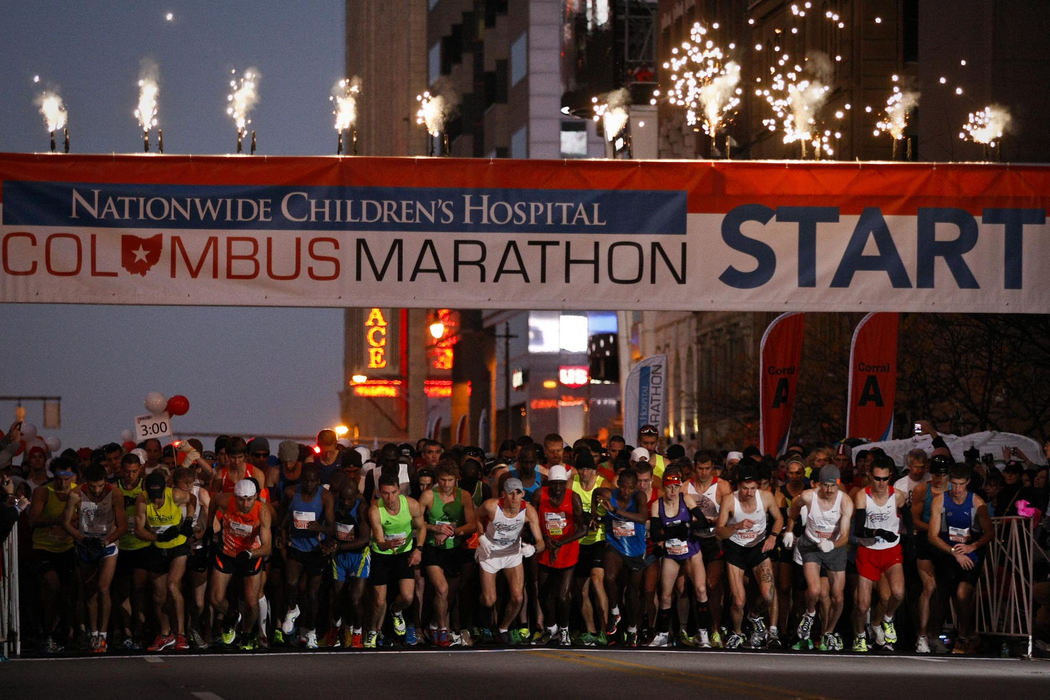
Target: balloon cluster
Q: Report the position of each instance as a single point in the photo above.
(157, 403)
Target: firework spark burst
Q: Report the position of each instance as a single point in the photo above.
(54, 111)
(344, 95)
(987, 126)
(243, 98)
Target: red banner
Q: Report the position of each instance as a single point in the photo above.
(873, 377)
(781, 354)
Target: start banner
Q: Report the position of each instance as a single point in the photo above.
(506, 234)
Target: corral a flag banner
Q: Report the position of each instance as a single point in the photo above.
(644, 396)
(781, 356)
(873, 377)
(506, 234)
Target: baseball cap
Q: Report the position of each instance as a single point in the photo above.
(246, 488)
(941, 464)
(747, 473)
(472, 452)
(259, 444)
(557, 473)
(734, 455)
(648, 429)
(639, 453)
(155, 485)
(830, 473)
(288, 451)
(512, 484)
(1013, 467)
(584, 460)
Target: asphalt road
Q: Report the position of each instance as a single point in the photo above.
(524, 673)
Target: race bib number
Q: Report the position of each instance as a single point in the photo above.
(677, 547)
(395, 540)
(301, 519)
(240, 529)
(555, 523)
(344, 531)
(623, 528)
(959, 535)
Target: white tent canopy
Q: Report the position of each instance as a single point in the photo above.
(988, 441)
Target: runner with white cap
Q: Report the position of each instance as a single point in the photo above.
(501, 521)
(563, 526)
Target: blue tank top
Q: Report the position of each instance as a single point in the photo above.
(958, 524)
(302, 539)
(529, 490)
(679, 545)
(625, 536)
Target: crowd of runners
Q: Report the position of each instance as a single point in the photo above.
(329, 545)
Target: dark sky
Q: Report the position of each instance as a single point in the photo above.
(249, 371)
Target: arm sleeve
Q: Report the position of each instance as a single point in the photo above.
(656, 529)
(860, 516)
(699, 517)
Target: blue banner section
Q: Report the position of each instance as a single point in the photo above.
(468, 210)
(644, 384)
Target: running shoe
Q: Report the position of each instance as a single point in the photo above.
(399, 623)
(563, 639)
(614, 623)
(735, 641)
(541, 638)
(442, 639)
(93, 642)
(333, 639)
(805, 625)
(922, 645)
(181, 643)
(889, 630)
(773, 639)
(686, 640)
(357, 640)
(703, 638)
(311, 639)
(52, 647)
(524, 634)
(757, 638)
(839, 644)
(876, 633)
(603, 640)
(101, 648)
(162, 642)
(411, 637)
(803, 645)
(588, 640)
(278, 637)
(462, 638)
(827, 642)
(662, 639)
(130, 644)
(716, 640)
(197, 640)
(860, 644)
(288, 625)
(485, 636)
(370, 639)
(631, 639)
(248, 643)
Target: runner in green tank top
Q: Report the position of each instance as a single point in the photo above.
(450, 518)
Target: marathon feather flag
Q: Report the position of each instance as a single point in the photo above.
(873, 377)
(781, 355)
(645, 396)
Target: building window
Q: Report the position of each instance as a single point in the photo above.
(519, 144)
(574, 139)
(519, 59)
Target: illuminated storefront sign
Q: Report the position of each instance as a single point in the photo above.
(376, 327)
(573, 375)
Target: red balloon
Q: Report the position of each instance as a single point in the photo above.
(178, 405)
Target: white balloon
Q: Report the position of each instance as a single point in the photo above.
(53, 443)
(156, 402)
(28, 432)
(127, 436)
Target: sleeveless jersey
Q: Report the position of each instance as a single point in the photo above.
(504, 533)
(441, 513)
(884, 517)
(240, 531)
(128, 542)
(303, 513)
(752, 536)
(625, 536)
(397, 528)
(346, 520)
(824, 524)
(96, 517)
(677, 542)
(587, 498)
(559, 522)
(707, 501)
(959, 523)
(167, 516)
(53, 538)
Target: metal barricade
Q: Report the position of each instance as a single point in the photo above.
(10, 640)
(1004, 591)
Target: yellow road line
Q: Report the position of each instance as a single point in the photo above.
(698, 679)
